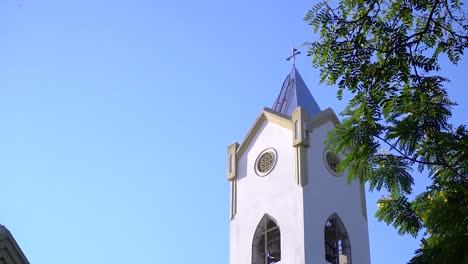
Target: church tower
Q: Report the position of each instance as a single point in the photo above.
(288, 203)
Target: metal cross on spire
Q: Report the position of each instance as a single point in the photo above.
(294, 54)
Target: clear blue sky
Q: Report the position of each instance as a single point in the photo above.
(115, 117)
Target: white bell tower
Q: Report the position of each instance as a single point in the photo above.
(288, 204)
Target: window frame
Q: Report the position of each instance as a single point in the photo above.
(262, 236)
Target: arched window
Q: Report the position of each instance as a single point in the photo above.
(266, 246)
(337, 245)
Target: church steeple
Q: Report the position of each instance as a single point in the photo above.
(289, 204)
(294, 93)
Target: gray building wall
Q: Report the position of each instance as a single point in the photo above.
(10, 252)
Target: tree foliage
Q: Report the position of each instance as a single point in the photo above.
(396, 126)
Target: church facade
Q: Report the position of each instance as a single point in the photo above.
(288, 203)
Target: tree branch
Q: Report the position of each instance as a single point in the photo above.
(403, 155)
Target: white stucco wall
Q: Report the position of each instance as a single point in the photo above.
(327, 194)
(300, 213)
(275, 194)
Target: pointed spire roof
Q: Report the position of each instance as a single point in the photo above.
(295, 93)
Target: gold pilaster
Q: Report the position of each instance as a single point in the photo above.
(301, 166)
(233, 198)
(301, 143)
(232, 175)
(232, 161)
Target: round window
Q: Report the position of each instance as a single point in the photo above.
(332, 161)
(265, 162)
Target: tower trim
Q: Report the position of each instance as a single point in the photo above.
(266, 115)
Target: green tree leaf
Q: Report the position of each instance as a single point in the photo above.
(397, 122)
